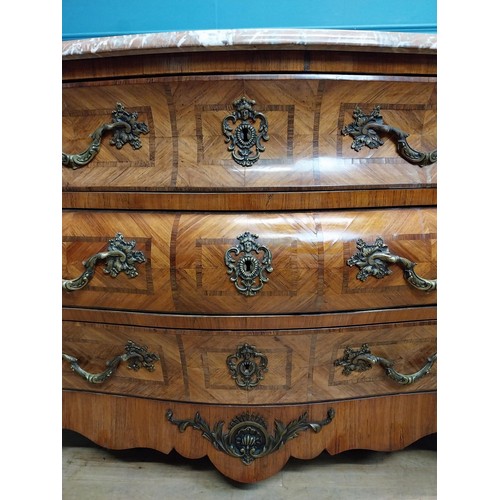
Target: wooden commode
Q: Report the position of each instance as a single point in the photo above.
(249, 243)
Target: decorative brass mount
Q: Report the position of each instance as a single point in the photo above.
(136, 356)
(245, 142)
(365, 128)
(247, 366)
(372, 261)
(120, 256)
(126, 129)
(248, 268)
(248, 437)
(362, 359)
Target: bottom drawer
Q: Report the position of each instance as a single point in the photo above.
(250, 367)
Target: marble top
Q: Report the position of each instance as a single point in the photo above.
(248, 39)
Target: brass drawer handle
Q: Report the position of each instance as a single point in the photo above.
(362, 359)
(137, 356)
(119, 257)
(365, 128)
(247, 437)
(126, 129)
(372, 261)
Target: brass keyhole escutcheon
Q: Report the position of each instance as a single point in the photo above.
(247, 366)
(244, 130)
(248, 264)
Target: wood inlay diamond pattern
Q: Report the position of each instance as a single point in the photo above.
(301, 363)
(186, 150)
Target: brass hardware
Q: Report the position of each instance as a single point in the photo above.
(365, 128)
(120, 256)
(247, 366)
(137, 357)
(245, 142)
(362, 359)
(248, 268)
(247, 437)
(372, 261)
(126, 129)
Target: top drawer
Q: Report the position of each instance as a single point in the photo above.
(185, 148)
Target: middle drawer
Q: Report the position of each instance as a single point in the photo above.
(252, 263)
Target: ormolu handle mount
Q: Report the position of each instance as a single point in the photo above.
(365, 129)
(372, 260)
(362, 359)
(126, 129)
(120, 256)
(137, 357)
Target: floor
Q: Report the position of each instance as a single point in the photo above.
(92, 473)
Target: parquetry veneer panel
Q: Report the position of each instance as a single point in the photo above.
(185, 149)
(301, 363)
(185, 269)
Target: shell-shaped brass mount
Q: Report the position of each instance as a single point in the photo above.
(248, 437)
(125, 128)
(365, 131)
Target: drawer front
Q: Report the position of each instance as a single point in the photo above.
(254, 367)
(185, 148)
(194, 263)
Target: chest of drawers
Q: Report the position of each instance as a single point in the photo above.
(249, 243)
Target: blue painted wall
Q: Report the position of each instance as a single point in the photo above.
(89, 18)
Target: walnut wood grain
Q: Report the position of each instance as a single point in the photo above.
(185, 271)
(185, 149)
(237, 202)
(248, 62)
(301, 363)
(250, 322)
(384, 424)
